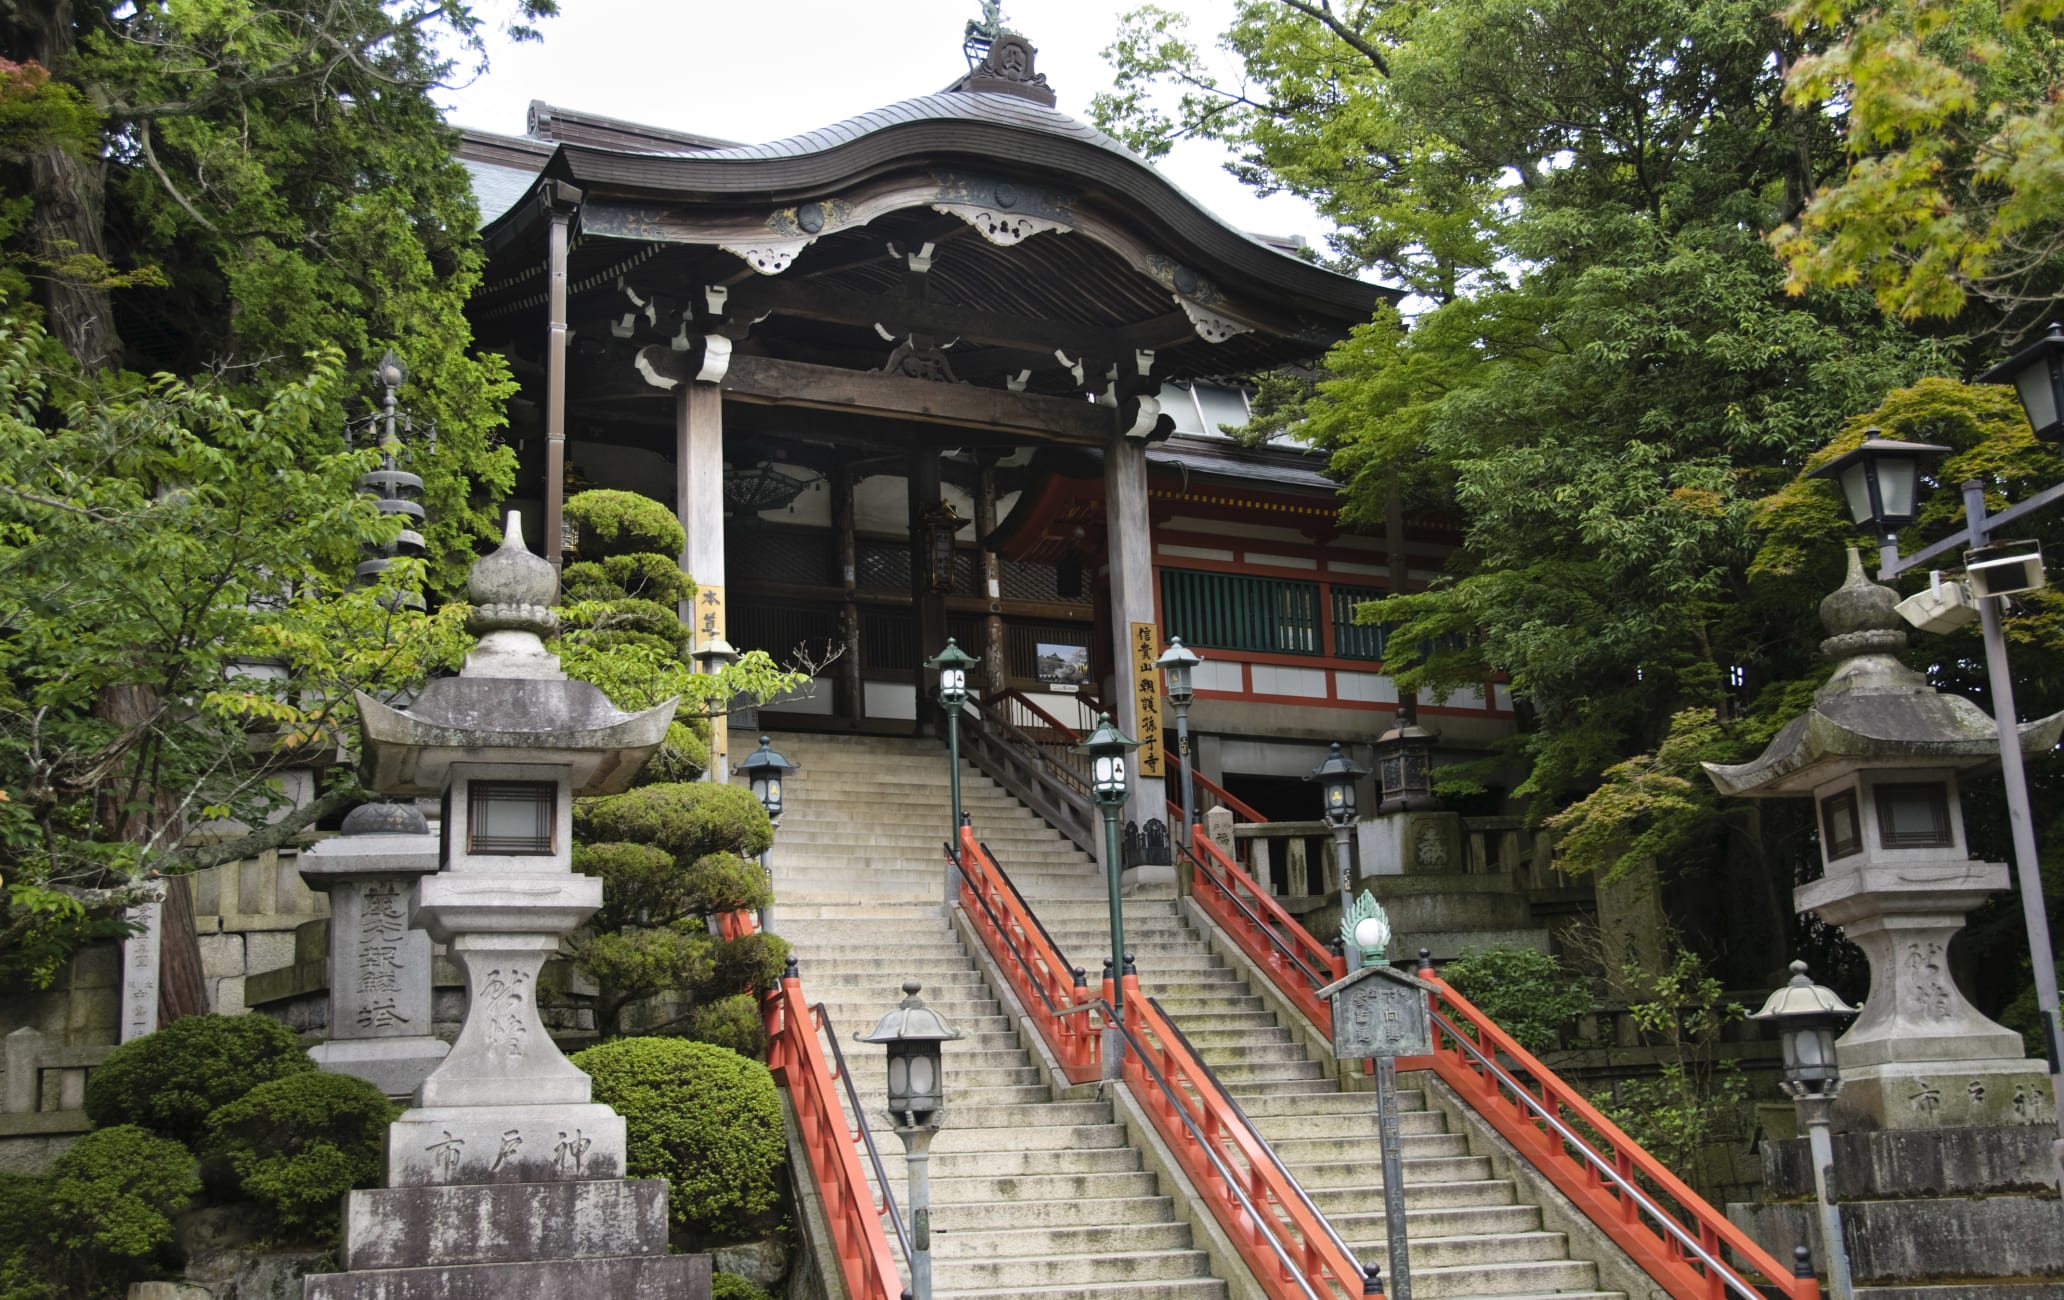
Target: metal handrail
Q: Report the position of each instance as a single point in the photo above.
(1030, 915)
(1031, 976)
(1204, 1144)
(881, 1176)
(1225, 1095)
(1663, 1218)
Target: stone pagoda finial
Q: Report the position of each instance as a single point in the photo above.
(513, 592)
(1861, 616)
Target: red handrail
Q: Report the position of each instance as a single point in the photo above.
(1291, 1250)
(1225, 797)
(1192, 1112)
(1031, 965)
(797, 1059)
(1567, 1153)
(1295, 962)
(1561, 1152)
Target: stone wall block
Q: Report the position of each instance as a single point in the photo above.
(222, 955)
(412, 1227)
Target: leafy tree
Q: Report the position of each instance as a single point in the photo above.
(1606, 374)
(225, 187)
(173, 633)
(1948, 195)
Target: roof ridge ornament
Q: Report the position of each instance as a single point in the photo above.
(1007, 65)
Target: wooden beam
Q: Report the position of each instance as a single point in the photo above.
(902, 315)
(767, 381)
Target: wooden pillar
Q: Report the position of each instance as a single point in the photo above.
(995, 664)
(560, 201)
(1132, 601)
(928, 609)
(699, 501)
(852, 706)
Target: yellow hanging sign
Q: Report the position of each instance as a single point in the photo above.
(1148, 761)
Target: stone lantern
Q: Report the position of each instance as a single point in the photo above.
(505, 1178)
(1879, 753)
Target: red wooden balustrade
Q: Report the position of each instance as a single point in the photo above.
(1296, 963)
(797, 1059)
(1224, 797)
(1688, 1247)
(1044, 982)
(1293, 1251)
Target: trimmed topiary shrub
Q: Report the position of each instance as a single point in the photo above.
(171, 1081)
(734, 1022)
(621, 523)
(296, 1145)
(705, 1119)
(730, 1286)
(751, 963)
(112, 1197)
(687, 819)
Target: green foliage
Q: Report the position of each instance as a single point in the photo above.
(297, 1144)
(688, 821)
(1953, 134)
(733, 1023)
(1695, 1100)
(730, 1286)
(671, 856)
(25, 1238)
(250, 538)
(112, 1197)
(705, 1119)
(622, 524)
(171, 1081)
(1529, 994)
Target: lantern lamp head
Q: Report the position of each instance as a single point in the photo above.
(1107, 747)
(952, 663)
(912, 1033)
(713, 653)
(765, 768)
(1807, 1016)
(2037, 374)
(1880, 481)
(1176, 662)
(1336, 777)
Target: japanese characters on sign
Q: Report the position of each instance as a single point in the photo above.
(1146, 649)
(710, 622)
(1381, 1015)
(140, 971)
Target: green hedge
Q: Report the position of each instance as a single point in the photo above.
(687, 819)
(296, 1145)
(622, 523)
(112, 1195)
(171, 1081)
(705, 1119)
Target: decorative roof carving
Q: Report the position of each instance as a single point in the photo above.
(1007, 69)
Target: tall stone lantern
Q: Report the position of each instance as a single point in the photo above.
(505, 1178)
(1879, 753)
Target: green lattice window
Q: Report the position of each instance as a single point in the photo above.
(1349, 640)
(1235, 612)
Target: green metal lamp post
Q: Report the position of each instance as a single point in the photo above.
(952, 663)
(1336, 777)
(1807, 1018)
(765, 769)
(1176, 663)
(912, 1032)
(1107, 747)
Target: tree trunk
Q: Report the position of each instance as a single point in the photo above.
(70, 196)
(181, 989)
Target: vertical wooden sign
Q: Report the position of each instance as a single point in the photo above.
(709, 622)
(1148, 760)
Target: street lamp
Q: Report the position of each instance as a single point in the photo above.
(1175, 663)
(1107, 747)
(712, 655)
(2037, 373)
(952, 663)
(1808, 1017)
(912, 1033)
(1880, 480)
(764, 769)
(1336, 777)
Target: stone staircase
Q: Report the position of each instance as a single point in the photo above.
(1472, 1237)
(1030, 1196)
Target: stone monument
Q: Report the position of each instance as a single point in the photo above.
(505, 1179)
(379, 965)
(1878, 753)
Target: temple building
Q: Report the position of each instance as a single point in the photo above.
(960, 367)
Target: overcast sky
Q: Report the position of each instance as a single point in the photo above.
(757, 72)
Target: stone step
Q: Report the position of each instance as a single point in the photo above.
(1042, 1187)
(1007, 1164)
(1031, 1272)
(1367, 1197)
(1004, 1215)
(1418, 1147)
(1082, 1239)
(1315, 1174)
(1365, 1236)
(1263, 1105)
(1190, 1288)
(1475, 1281)
(1345, 1128)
